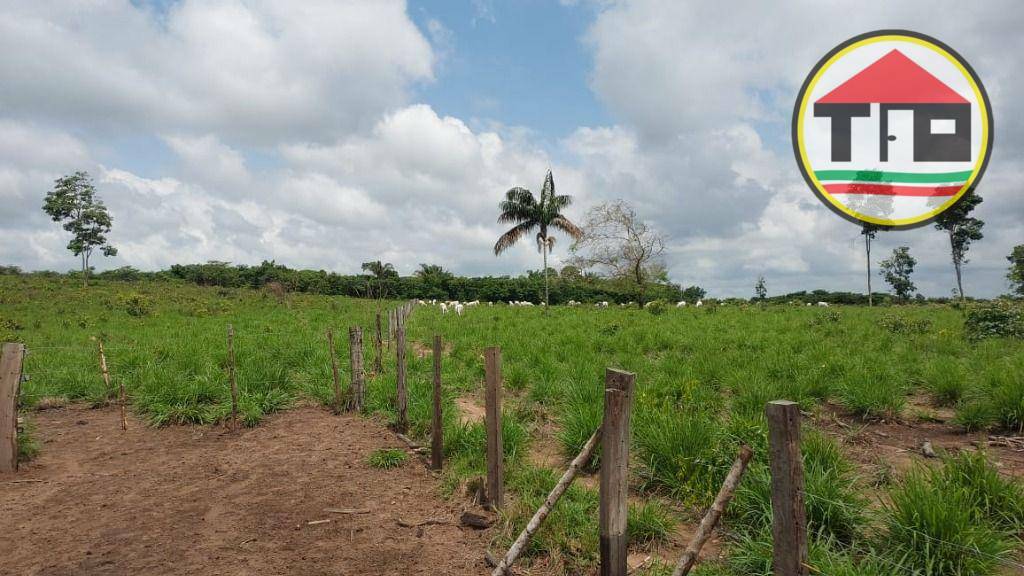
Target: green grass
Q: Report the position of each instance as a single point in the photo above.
(703, 377)
(387, 458)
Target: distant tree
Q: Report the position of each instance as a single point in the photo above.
(868, 231)
(760, 289)
(694, 293)
(528, 214)
(379, 274)
(73, 202)
(570, 273)
(435, 279)
(962, 230)
(897, 270)
(617, 241)
(1016, 273)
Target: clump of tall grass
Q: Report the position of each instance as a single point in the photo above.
(387, 458)
(993, 498)
(945, 381)
(933, 526)
(998, 401)
(678, 451)
(873, 393)
(28, 446)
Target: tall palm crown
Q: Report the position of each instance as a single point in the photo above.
(521, 208)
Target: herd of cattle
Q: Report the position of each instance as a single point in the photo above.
(459, 307)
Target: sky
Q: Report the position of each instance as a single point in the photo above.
(323, 134)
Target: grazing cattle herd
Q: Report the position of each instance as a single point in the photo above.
(459, 307)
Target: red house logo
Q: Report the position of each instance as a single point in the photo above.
(891, 128)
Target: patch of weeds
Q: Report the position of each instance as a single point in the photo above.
(900, 324)
(387, 458)
(996, 319)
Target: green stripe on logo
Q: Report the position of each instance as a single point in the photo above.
(879, 176)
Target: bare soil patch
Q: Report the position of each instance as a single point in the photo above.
(184, 500)
(471, 409)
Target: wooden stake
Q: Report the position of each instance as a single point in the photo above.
(334, 370)
(103, 368)
(11, 360)
(403, 397)
(549, 503)
(710, 520)
(231, 376)
(495, 493)
(122, 399)
(355, 358)
(378, 367)
(789, 521)
(614, 493)
(437, 426)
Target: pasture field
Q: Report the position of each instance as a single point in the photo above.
(873, 383)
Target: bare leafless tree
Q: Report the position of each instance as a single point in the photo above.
(619, 244)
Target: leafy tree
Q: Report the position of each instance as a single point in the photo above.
(1016, 273)
(760, 289)
(570, 272)
(73, 201)
(528, 214)
(379, 276)
(897, 269)
(694, 293)
(434, 279)
(617, 241)
(962, 229)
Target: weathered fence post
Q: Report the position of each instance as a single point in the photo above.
(103, 368)
(10, 381)
(789, 522)
(355, 359)
(334, 371)
(492, 408)
(437, 426)
(378, 366)
(231, 376)
(403, 397)
(391, 328)
(614, 487)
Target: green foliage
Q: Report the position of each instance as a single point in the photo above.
(387, 458)
(901, 324)
(933, 524)
(998, 318)
(1015, 276)
(73, 202)
(897, 270)
(137, 305)
(657, 307)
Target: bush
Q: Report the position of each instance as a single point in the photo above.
(137, 305)
(657, 307)
(898, 324)
(999, 318)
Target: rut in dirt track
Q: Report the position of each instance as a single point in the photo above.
(183, 500)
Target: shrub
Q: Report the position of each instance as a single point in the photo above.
(899, 324)
(387, 458)
(657, 307)
(826, 317)
(999, 318)
(137, 305)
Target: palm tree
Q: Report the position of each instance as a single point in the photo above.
(520, 208)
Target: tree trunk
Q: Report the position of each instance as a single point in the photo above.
(544, 250)
(867, 248)
(957, 268)
(85, 270)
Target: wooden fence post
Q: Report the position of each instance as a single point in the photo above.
(378, 366)
(334, 371)
(495, 450)
(122, 400)
(437, 426)
(614, 487)
(10, 382)
(231, 376)
(355, 355)
(789, 522)
(403, 397)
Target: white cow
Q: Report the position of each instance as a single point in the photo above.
(473, 303)
(681, 304)
(699, 303)
(823, 304)
(458, 309)
(444, 308)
